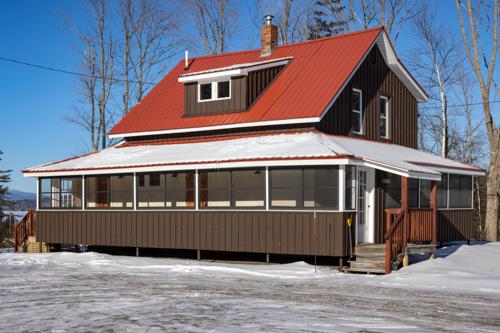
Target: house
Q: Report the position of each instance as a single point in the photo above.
(301, 149)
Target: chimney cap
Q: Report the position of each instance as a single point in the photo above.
(268, 19)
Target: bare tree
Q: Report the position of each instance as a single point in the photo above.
(85, 116)
(213, 20)
(149, 41)
(483, 68)
(97, 57)
(290, 17)
(436, 62)
(392, 14)
(106, 48)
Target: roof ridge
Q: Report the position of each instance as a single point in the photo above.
(347, 34)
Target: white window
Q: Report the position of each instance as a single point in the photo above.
(212, 91)
(357, 111)
(384, 117)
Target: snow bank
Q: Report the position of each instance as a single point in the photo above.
(466, 268)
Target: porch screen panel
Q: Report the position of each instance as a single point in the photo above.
(392, 186)
(109, 191)
(233, 189)
(308, 188)
(248, 188)
(287, 188)
(460, 188)
(180, 190)
(413, 192)
(65, 192)
(350, 187)
(425, 193)
(151, 190)
(442, 192)
(215, 189)
(321, 188)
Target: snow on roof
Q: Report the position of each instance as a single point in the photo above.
(297, 148)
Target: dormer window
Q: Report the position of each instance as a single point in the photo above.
(212, 91)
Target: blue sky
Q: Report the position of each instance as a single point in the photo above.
(35, 103)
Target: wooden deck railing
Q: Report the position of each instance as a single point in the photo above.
(403, 226)
(25, 228)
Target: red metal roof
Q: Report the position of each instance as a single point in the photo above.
(304, 88)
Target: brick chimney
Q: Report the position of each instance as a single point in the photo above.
(269, 36)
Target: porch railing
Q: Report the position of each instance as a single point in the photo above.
(24, 229)
(404, 226)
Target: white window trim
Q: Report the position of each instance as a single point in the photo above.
(215, 90)
(360, 111)
(386, 117)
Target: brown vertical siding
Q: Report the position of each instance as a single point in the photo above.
(455, 225)
(259, 80)
(237, 102)
(294, 233)
(375, 79)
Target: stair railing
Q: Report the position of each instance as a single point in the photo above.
(24, 229)
(396, 235)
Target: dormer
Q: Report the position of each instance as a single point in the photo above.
(228, 89)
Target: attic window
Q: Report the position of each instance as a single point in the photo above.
(212, 91)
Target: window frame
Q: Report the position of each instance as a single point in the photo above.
(304, 188)
(360, 111)
(60, 193)
(386, 117)
(232, 204)
(215, 90)
(108, 192)
(165, 190)
(354, 187)
(471, 204)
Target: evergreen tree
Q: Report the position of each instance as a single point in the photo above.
(4, 190)
(328, 19)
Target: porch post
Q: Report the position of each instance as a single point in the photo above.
(404, 208)
(341, 188)
(434, 211)
(37, 194)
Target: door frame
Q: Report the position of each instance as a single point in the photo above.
(370, 216)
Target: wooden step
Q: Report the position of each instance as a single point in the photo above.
(377, 260)
(367, 265)
(364, 270)
(420, 248)
(369, 249)
(371, 255)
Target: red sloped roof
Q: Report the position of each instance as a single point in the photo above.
(315, 74)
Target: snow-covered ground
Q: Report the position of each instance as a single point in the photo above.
(67, 292)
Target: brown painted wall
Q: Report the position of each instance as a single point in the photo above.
(375, 79)
(237, 102)
(455, 225)
(244, 91)
(259, 80)
(293, 233)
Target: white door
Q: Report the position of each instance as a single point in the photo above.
(364, 221)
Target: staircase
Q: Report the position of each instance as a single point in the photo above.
(24, 236)
(370, 258)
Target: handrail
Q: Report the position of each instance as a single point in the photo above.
(397, 221)
(409, 225)
(24, 229)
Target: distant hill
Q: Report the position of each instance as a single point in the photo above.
(21, 201)
(16, 195)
